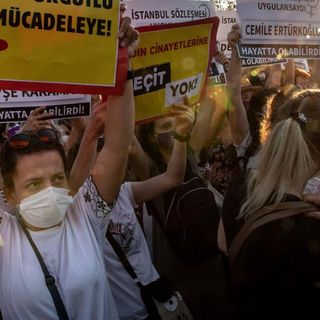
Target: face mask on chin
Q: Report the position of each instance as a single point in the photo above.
(165, 140)
(46, 208)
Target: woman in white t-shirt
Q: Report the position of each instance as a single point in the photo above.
(122, 221)
(68, 232)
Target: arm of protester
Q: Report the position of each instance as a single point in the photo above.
(219, 98)
(86, 156)
(315, 74)
(139, 160)
(109, 169)
(274, 79)
(201, 126)
(288, 75)
(174, 175)
(236, 111)
(77, 130)
(110, 166)
(222, 58)
(209, 121)
(38, 119)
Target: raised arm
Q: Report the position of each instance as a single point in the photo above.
(211, 113)
(315, 74)
(288, 75)
(110, 166)
(86, 155)
(139, 161)
(239, 125)
(77, 130)
(174, 175)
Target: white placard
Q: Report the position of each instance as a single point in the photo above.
(280, 28)
(15, 106)
(146, 13)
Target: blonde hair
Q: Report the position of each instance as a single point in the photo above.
(286, 160)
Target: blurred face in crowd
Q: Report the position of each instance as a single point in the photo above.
(163, 136)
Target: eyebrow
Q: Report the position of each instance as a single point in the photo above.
(40, 178)
(58, 174)
(33, 179)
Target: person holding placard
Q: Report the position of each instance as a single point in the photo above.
(51, 261)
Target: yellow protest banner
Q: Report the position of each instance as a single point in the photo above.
(49, 43)
(171, 62)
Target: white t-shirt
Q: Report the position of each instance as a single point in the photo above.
(241, 150)
(126, 230)
(4, 203)
(72, 253)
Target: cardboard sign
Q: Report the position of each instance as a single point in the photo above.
(15, 106)
(279, 28)
(66, 46)
(172, 61)
(148, 13)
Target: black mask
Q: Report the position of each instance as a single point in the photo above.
(165, 140)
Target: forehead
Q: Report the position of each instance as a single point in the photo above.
(164, 123)
(40, 164)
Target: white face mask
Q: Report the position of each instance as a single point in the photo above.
(46, 208)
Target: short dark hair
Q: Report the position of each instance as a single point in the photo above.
(10, 157)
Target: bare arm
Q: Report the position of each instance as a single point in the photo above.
(289, 78)
(315, 74)
(139, 160)
(237, 114)
(110, 166)
(211, 114)
(174, 175)
(86, 156)
(200, 130)
(109, 169)
(77, 130)
(220, 102)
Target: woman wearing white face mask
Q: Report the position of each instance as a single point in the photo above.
(68, 232)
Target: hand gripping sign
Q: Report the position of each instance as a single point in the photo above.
(171, 62)
(60, 46)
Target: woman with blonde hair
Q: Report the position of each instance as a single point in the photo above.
(277, 265)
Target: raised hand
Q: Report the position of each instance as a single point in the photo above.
(37, 120)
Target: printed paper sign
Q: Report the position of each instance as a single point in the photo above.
(49, 44)
(171, 62)
(227, 20)
(175, 91)
(148, 13)
(217, 75)
(16, 106)
(280, 28)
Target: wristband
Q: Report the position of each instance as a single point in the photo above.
(182, 138)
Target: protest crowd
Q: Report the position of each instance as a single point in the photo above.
(208, 211)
